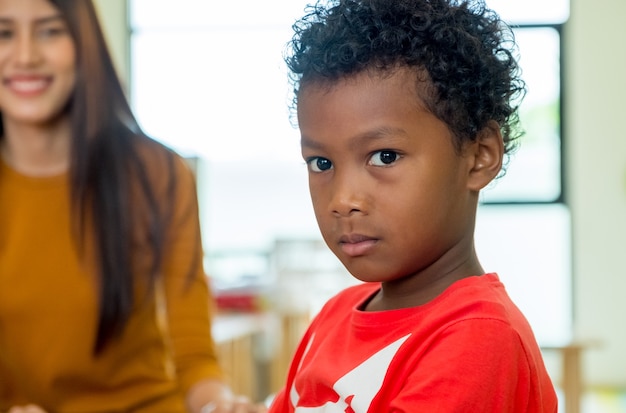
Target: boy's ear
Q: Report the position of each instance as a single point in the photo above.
(485, 156)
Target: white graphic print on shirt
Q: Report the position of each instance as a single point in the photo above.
(354, 392)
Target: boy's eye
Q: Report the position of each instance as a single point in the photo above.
(383, 158)
(318, 164)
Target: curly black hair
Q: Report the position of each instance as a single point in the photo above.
(463, 49)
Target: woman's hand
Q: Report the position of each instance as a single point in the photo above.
(238, 404)
(31, 408)
(213, 396)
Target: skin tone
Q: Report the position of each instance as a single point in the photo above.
(211, 396)
(37, 76)
(393, 197)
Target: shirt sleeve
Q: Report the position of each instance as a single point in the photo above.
(188, 299)
(478, 366)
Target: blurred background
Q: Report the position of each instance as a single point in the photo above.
(208, 79)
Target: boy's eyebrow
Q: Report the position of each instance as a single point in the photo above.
(358, 140)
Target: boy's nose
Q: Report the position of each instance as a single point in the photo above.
(346, 198)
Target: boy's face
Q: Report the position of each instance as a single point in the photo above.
(389, 190)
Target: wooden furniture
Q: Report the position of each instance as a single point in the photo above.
(572, 381)
(236, 336)
(292, 327)
(241, 337)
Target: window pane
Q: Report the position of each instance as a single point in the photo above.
(189, 14)
(532, 11)
(529, 247)
(221, 95)
(534, 172)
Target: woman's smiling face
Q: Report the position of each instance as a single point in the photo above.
(37, 61)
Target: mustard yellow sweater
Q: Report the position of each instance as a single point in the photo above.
(49, 311)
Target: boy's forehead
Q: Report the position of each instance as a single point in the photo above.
(409, 78)
(360, 104)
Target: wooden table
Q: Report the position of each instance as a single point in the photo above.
(572, 374)
(234, 336)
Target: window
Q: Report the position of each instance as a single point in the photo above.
(534, 173)
(208, 79)
(523, 226)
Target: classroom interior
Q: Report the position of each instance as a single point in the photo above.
(260, 322)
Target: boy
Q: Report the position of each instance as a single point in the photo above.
(405, 109)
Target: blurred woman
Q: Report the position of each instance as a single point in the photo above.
(104, 304)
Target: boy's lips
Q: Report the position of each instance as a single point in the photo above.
(354, 245)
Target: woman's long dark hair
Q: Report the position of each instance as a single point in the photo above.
(106, 168)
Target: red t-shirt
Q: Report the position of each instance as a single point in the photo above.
(468, 350)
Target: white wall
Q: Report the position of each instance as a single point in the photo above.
(596, 180)
(595, 154)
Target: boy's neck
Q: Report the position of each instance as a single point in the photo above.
(420, 288)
